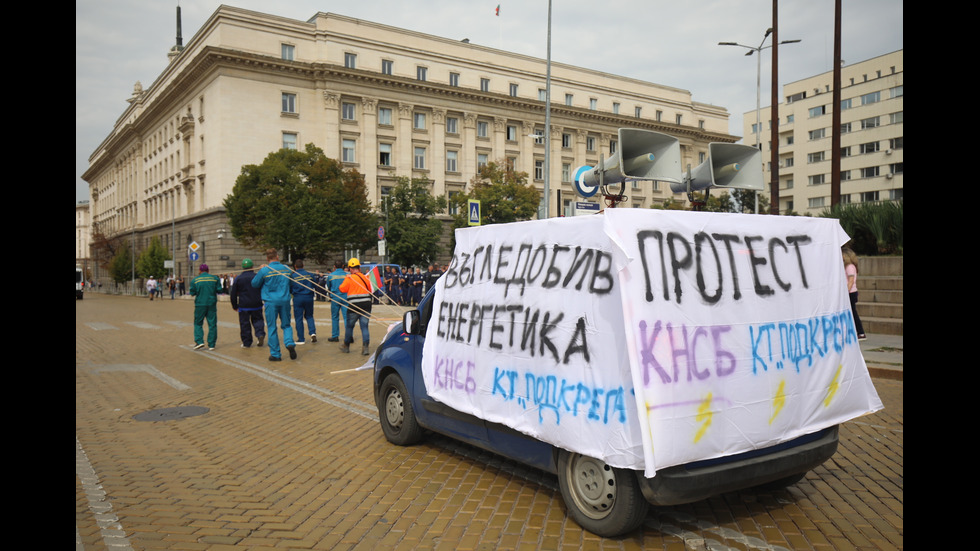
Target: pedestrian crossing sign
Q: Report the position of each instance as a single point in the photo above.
(474, 212)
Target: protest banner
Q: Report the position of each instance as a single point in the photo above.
(649, 338)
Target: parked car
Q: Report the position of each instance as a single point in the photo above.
(605, 500)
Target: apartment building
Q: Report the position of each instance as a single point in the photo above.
(872, 136)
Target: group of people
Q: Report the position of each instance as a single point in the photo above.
(172, 284)
(407, 288)
(263, 298)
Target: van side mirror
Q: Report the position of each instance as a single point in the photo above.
(411, 322)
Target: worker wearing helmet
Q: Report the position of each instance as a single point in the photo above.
(357, 286)
(247, 301)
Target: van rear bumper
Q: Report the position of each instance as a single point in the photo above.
(703, 479)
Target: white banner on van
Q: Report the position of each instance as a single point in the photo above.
(649, 338)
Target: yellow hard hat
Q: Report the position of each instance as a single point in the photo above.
(353, 263)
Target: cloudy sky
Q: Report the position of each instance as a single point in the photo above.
(669, 42)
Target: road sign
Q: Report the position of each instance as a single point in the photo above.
(194, 246)
(474, 212)
(381, 233)
(193, 256)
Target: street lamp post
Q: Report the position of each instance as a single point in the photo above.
(758, 89)
(547, 122)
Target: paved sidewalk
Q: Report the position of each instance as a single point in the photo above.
(884, 355)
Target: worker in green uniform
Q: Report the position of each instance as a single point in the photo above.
(204, 289)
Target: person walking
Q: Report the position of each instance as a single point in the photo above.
(247, 301)
(204, 289)
(151, 287)
(851, 271)
(338, 301)
(273, 280)
(301, 285)
(358, 289)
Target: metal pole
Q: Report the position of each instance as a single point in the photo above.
(547, 123)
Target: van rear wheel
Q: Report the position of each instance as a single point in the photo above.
(604, 500)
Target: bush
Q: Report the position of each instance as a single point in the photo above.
(874, 228)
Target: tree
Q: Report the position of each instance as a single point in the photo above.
(151, 260)
(504, 196)
(121, 265)
(301, 203)
(412, 230)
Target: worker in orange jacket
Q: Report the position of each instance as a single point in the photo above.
(357, 286)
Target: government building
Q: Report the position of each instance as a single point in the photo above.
(386, 101)
(872, 136)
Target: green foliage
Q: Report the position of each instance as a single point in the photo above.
(151, 260)
(504, 196)
(874, 228)
(302, 204)
(412, 231)
(121, 265)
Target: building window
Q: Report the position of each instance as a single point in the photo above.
(593, 104)
(818, 133)
(418, 121)
(386, 66)
(384, 116)
(288, 102)
(566, 172)
(568, 99)
(872, 122)
(538, 169)
(350, 61)
(288, 52)
(289, 140)
(896, 118)
(873, 97)
(845, 127)
(677, 118)
(788, 162)
(896, 143)
(790, 119)
(659, 115)
(347, 151)
(815, 157)
(542, 94)
(481, 160)
(347, 111)
(566, 140)
(453, 207)
(419, 158)
(897, 168)
(539, 136)
(816, 179)
(384, 154)
(452, 125)
(615, 108)
(612, 146)
(845, 104)
(815, 202)
(482, 129)
(896, 92)
(451, 158)
(845, 175)
(870, 147)
(421, 72)
(484, 85)
(454, 79)
(513, 90)
(869, 172)
(590, 143)
(818, 111)
(845, 151)
(637, 111)
(511, 133)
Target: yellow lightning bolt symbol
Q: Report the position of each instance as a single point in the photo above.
(778, 401)
(834, 386)
(704, 415)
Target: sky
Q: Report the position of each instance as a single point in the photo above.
(668, 42)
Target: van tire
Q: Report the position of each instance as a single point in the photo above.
(604, 500)
(398, 420)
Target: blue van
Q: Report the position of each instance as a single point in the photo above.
(605, 500)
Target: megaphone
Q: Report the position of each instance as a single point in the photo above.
(729, 165)
(641, 155)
